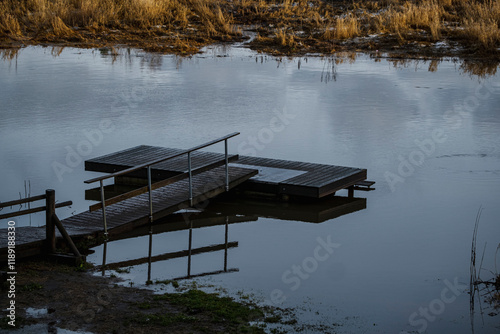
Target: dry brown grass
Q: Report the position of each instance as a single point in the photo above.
(284, 39)
(24, 17)
(9, 25)
(408, 18)
(347, 27)
(485, 33)
(291, 25)
(481, 25)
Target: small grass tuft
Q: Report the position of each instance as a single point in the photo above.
(31, 287)
(219, 308)
(174, 283)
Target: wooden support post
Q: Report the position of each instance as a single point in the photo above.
(350, 192)
(50, 231)
(66, 236)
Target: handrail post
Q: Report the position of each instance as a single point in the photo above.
(227, 166)
(50, 231)
(190, 180)
(103, 203)
(150, 196)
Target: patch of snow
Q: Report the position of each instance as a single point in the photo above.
(441, 44)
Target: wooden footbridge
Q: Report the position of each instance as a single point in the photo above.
(174, 180)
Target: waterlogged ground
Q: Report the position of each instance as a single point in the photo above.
(428, 133)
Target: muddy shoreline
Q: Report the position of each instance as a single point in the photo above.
(51, 296)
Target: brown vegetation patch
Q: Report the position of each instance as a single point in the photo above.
(285, 27)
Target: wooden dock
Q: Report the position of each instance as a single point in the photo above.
(279, 177)
(130, 213)
(174, 183)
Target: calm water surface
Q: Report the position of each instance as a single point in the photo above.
(430, 139)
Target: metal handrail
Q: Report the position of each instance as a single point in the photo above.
(153, 162)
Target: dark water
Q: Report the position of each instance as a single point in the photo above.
(428, 133)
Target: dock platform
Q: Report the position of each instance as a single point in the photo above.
(280, 177)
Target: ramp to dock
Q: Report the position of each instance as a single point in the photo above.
(132, 212)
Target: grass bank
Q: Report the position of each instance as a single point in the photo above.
(70, 298)
(285, 27)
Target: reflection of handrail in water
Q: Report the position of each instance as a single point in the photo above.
(176, 222)
(217, 272)
(233, 211)
(172, 255)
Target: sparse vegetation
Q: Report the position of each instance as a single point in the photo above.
(488, 289)
(174, 283)
(291, 27)
(111, 308)
(221, 309)
(31, 287)
(123, 270)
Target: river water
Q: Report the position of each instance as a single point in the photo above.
(427, 132)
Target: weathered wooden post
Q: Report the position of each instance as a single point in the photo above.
(50, 236)
(350, 192)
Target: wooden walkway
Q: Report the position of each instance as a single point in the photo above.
(280, 177)
(132, 212)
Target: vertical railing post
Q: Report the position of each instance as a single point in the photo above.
(50, 231)
(227, 166)
(190, 180)
(150, 196)
(103, 203)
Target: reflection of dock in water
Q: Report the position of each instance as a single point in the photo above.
(225, 212)
(310, 212)
(189, 253)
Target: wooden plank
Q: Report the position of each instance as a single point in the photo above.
(320, 179)
(317, 177)
(34, 210)
(365, 183)
(342, 183)
(22, 201)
